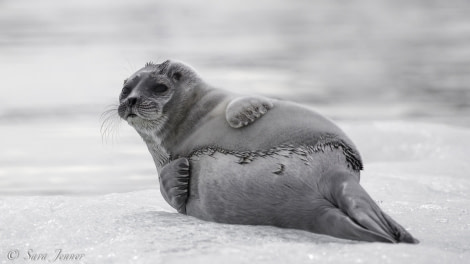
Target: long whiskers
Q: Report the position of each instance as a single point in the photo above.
(110, 122)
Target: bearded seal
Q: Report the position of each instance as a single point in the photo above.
(249, 159)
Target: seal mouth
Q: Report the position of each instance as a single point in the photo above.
(131, 116)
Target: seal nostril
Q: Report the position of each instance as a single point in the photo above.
(132, 101)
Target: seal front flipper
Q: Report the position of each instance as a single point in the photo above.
(174, 183)
(354, 214)
(243, 111)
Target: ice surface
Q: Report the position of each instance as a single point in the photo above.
(417, 172)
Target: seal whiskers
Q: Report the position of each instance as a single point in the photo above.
(109, 123)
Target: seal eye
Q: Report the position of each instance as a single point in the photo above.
(177, 76)
(160, 88)
(125, 91)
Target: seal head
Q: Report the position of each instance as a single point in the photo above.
(147, 95)
(156, 99)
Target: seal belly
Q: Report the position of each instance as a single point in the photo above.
(266, 188)
(299, 188)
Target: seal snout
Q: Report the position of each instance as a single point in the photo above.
(139, 107)
(131, 101)
(126, 108)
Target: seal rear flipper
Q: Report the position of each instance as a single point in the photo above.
(348, 196)
(334, 222)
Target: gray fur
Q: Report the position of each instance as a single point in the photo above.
(292, 168)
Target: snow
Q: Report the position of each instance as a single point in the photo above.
(417, 172)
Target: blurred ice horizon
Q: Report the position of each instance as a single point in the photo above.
(352, 60)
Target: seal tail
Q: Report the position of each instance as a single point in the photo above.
(355, 215)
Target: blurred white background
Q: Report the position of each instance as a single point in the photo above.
(62, 63)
